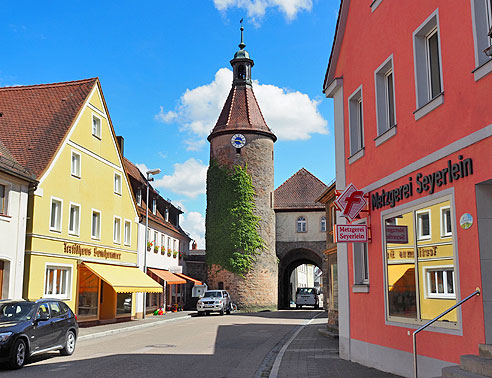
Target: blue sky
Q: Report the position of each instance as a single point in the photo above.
(165, 73)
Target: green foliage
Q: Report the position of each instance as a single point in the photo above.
(232, 238)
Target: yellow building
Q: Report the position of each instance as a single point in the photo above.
(81, 241)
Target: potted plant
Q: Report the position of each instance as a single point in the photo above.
(163, 250)
(156, 249)
(149, 245)
(169, 252)
(175, 254)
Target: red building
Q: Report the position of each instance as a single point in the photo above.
(412, 89)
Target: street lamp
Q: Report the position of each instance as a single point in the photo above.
(149, 173)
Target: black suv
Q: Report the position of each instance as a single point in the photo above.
(29, 328)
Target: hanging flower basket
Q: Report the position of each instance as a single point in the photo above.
(163, 250)
(149, 245)
(169, 252)
(156, 249)
(175, 254)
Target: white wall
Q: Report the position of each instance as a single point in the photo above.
(286, 226)
(13, 235)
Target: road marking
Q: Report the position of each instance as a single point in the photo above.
(278, 360)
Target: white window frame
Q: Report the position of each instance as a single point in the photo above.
(361, 264)
(127, 235)
(427, 271)
(117, 183)
(420, 236)
(385, 126)
(444, 222)
(75, 232)
(96, 131)
(5, 200)
(356, 125)
(139, 197)
(482, 21)
(322, 223)
(301, 224)
(154, 206)
(58, 227)
(68, 283)
(116, 231)
(76, 171)
(432, 33)
(94, 236)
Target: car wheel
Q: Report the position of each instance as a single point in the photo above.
(207, 312)
(19, 354)
(69, 344)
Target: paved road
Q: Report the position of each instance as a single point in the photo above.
(270, 344)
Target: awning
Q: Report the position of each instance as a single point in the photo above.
(169, 277)
(125, 279)
(196, 282)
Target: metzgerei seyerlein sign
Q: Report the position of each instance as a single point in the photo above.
(350, 202)
(351, 233)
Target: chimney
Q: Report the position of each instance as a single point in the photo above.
(121, 142)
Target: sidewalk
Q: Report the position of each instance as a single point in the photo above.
(151, 320)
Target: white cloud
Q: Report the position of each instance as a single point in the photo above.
(194, 223)
(292, 115)
(189, 178)
(142, 168)
(166, 117)
(257, 8)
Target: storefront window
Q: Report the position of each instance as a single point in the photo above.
(123, 303)
(57, 282)
(88, 294)
(420, 273)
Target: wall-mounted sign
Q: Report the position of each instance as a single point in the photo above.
(396, 234)
(424, 183)
(350, 233)
(350, 202)
(77, 249)
(466, 221)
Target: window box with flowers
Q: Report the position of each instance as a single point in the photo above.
(175, 254)
(156, 249)
(149, 245)
(163, 250)
(169, 252)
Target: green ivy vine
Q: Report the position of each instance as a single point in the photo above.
(231, 237)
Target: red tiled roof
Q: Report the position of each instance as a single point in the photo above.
(241, 112)
(10, 165)
(300, 191)
(35, 119)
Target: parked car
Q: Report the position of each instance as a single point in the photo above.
(307, 296)
(29, 328)
(214, 300)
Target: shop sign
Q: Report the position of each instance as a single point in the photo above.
(351, 233)
(466, 221)
(79, 250)
(424, 183)
(350, 202)
(176, 269)
(396, 234)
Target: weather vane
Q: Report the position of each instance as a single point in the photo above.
(242, 45)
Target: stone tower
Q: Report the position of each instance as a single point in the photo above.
(241, 137)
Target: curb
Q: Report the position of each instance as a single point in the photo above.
(131, 328)
(327, 333)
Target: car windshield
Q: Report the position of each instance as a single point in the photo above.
(305, 290)
(213, 294)
(16, 311)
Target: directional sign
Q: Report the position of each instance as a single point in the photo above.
(350, 233)
(351, 202)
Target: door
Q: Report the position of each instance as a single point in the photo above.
(42, 337)
(58, 322)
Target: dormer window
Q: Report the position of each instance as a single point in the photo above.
(241, 72)
(154, 206)
(139, 197)
(167, 215)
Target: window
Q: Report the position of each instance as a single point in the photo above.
(154, 206)
(123, 304)
(96, 126)
(163, 244)
(428, 72)
(155, 240)
(56, 215)
(3, 199)
(423, 225)
(74, 219)
(301, 224)
(139, 197)
(446, 230)
(440, 282)
(75, 168)
(96, 224)
(117, 183)
(385, 97)
(128, 232)
(168, 244)
(57, 281)
(322, 226)
(356, 122)
(117, 230)
(420, 278)
(361, 264)
(55, 309)
(482, 23)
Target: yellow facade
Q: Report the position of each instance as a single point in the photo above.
(431, 249)
(92, 189)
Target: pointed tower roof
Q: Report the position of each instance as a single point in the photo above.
(241, 112)
(300, 191)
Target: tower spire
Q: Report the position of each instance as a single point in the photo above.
(242, 45)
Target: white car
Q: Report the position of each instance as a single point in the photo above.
(214, 301)
(307, 296)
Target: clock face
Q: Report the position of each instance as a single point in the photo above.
(238, 140)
